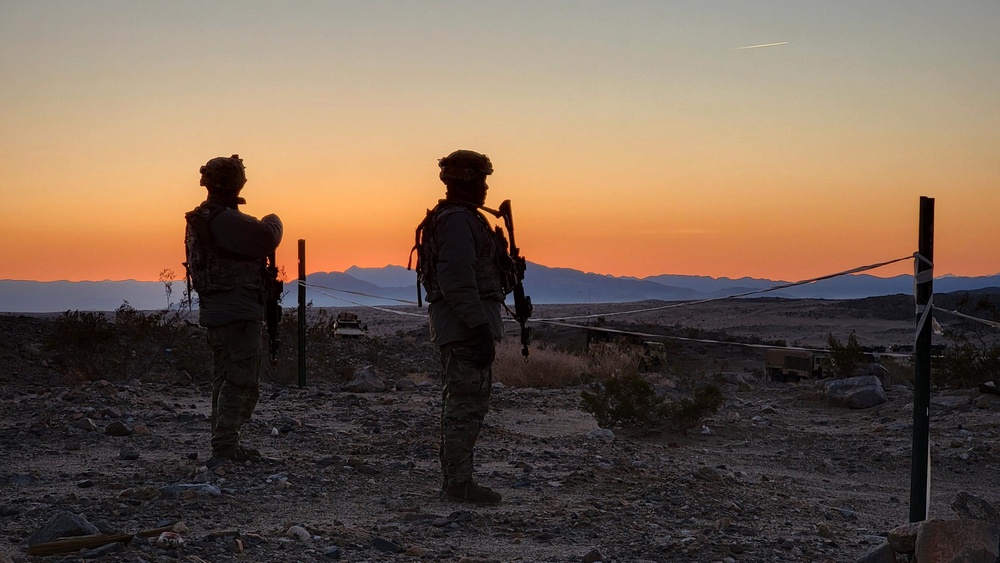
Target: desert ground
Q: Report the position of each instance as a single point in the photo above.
(774, 475)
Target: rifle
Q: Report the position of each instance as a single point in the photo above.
(522, 303)
(273, 288)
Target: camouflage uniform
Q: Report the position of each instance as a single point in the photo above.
(465, 293)
(226, 250)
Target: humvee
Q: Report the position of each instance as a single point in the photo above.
(347, 325)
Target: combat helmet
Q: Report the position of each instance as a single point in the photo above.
(464, 166)
(222, 174)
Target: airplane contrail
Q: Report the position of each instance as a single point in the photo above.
(762, 45)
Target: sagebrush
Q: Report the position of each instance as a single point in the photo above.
(631, 402)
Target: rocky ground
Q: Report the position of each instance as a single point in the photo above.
(775, 475)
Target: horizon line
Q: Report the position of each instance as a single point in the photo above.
(290, 280)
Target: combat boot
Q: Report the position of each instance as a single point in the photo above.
(247, 454)
(238, 454)
(470, 491)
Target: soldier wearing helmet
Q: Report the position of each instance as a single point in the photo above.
(458, 263)
(226, 250)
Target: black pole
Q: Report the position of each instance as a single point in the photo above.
(920, 461)
(302, 313)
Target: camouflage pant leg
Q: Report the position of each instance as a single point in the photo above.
(237, 350)
(466, 399)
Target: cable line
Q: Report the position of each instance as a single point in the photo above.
(744, 294)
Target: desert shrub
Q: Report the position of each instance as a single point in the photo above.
(81, 343)
(546, 367)
(89, 346)
(626, 401)
(899, 369)
(966, 364)
(687, 413)
(974, 355)
(617, 358)
(549, 367)
(630, 402)
(846, 357)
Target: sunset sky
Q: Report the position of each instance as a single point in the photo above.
(779, 139)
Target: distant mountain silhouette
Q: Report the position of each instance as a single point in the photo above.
(58, 296)
(542, 283)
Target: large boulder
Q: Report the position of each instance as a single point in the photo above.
(971, 507)
(969, 541)
(859, 392)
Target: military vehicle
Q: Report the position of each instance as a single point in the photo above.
(347, 325)
(794, 365)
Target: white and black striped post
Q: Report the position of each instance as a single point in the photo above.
(920, 460)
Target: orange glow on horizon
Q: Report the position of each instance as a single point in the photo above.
(638, 142)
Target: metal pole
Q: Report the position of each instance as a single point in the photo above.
(302, 313)
(920, 461)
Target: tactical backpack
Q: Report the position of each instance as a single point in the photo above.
(211, 268)
(500, 267)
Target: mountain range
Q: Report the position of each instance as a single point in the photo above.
(391, 285)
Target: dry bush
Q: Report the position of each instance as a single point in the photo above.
(607, 360)
(626, 401)
(629, 402)
(546, 367)
(900, 369)
(130, 344)
(549, 367)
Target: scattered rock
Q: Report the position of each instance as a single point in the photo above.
(365, 380)
(21, 480)
(118, 428)
(880, 554)
(601, 434)
(63, 524)
(298, 533)
(169, 540)
(986, 401)
(387, 546)
(950, 402)
(903, 539)
(971, 507)
(87, 424)
(190, 490)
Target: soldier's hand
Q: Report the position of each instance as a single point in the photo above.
(483, 346)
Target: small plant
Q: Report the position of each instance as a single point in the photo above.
(546, 367)
(630, 402)
(845, 357)
(167, 278)
(689, 413)
(130, 344)
(617, 358)
(82, 343)
(627, 401)
(974, 355)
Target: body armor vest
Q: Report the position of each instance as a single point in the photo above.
(493, 279)
(210, 267)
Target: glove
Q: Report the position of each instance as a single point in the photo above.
(483, 346)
